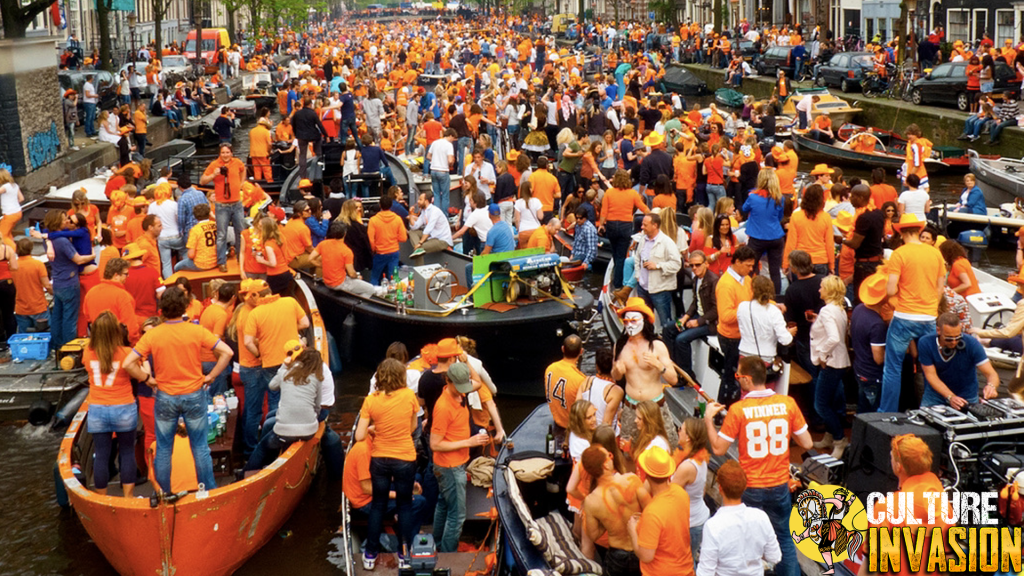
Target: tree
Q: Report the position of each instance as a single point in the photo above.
(159, 8)
(716, 13)
(664, 11)
(255, 13)
(231, 6)
(17, 18)
(103, 8)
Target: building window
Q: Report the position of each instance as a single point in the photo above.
(882, 28)
(959, 27)
(1004, 26)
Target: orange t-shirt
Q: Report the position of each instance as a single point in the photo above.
(296, 237)
(133, 229)
(279, 256)
(336, 255)
(111, 295)
(245, 358)
(619, 205)
(962, 266)
(108, 389)
(540, 239)
(117, 221)
(482, 417)
(664, 201)
(450, 422)
(273, 323)
(562, 382)
(260, 142)
(545, 185)
(392, 416)
(175, 346)
(152, 257)
(251, 265)
(215, 319)
(763, 423)
(812, 236)
(664, 527)
(685, 173)
(919, 267)
(29, 279)
(882, 193)
(357, 469)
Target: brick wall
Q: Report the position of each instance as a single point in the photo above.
(31, 126)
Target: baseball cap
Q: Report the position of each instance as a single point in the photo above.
(494, 210)
(458, 375)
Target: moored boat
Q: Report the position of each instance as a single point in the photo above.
(564, 242)
(1001, 179)
(196, 533)
(841, 153)
(729, 97)
(839, 110)
(953, 156)
(171, 154)
(259, 88)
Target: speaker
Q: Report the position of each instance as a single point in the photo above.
(868, 456)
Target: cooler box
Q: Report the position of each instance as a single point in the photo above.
(29, 346)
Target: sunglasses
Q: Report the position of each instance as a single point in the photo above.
(739, 376)
(952, 339)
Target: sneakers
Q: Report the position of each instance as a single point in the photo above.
(417, 252)
(369, 561)
(973, 138)
(403, 562)
(223, 267)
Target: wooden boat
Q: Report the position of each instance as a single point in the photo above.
(1002, 179)
(707, 356)
(842, 153)
(171, 154)
(519, 339)
(198, 534)
(953, 156)
(729, 97)
(838, 109)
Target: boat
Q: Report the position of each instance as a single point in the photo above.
(1001, 179)
(682, 81)
(35, 389)
(839, 110)
(729, 97)
(171, 154)
(197, 533)
(953, 156)
(992, 308)
(1003, 222)
(259, 88)
(841, 153)
(564, 241)
(514, 334)
(201, 131)
(707, 357)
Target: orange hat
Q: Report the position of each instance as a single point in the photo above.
(133, 252)
(821, 169)
(637, 304)
(253, 286)
(305, 183)
(69, 93)
(657, 463)
(909, 221)
(844, 221)
(654, 139)
(138, 201)
(872, 289)
(429, 353)
(291, 349)
(448, 347)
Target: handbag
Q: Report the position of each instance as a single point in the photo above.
(774, 367)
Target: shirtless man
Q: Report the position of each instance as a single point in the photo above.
(644, 361)
(615, 498)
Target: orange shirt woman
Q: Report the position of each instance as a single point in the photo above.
(812, 235)
(618, 205)
(959, 272)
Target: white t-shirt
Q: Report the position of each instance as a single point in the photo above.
(480, 221)
(167, 212)
(806, 104)
(9, 198)
(439, 152)
(914, 202)
(528, 217)
(484, 172)
(89, 88)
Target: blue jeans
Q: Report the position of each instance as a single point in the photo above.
(715, 193)
(977, 126)
(450, 513)
(696, 537)
(228, 213)
(777, 504)
(419, 504)
(830, 399)
(897, 340)
(268, 449)
(383, 265)
(460, 152)
(410, 142)
(255, 381)
(619, 234)
(220, 383)
(26, 321)
(997, 128)
(661, 302)
(387, 474)
(171, 245)
(90, 119)
(167, 410)
(440, 185)
(679, 344)
(868, 390)
(348, 125)
(64, 322)
(186, 264)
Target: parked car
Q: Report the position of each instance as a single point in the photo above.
(845, 70)
(750, 50)
(947, 84)
(105, 83)
(775, 58)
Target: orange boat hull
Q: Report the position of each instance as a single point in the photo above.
(209, 537)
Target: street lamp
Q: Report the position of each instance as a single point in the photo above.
(132, 20)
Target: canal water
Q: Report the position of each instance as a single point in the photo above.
(41, 539)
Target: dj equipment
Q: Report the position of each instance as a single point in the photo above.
(989, 420)
(867, 458)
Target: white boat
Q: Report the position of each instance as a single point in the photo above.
(992, 308)
(1002, 179)
(94, 187)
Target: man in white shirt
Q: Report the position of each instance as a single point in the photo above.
(721, 552)
(89, 101)
(479, 221)
(484, 174)
(430, 231)
(440, 157)
(804, 108)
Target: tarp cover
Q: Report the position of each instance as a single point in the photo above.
(678, 75)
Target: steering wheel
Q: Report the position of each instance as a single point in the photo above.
(995, 320)
(440, 287)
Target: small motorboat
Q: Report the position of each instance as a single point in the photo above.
(198, 533)
(956, 158)
(838, 109)
(1001, 179)
(682, 81)
(32, 390)
(993, 308)
(171, 154)
(259, 88)
(1003, 222)
(729, 97)
(842, 152)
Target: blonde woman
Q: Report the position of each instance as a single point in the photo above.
(11, 198)
(829, 352)
(650, 427)
(528, 212)
(357, 237)
(582, 423)
(671, 229)
(702, 228)
(692, 475)
(279, 276)
(765, 208)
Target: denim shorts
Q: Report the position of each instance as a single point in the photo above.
(986, 87)
(112, 418)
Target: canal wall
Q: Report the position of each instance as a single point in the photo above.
(938, 124)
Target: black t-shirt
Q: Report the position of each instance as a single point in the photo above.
(801, 296)
(870, 225)
(866, 328)
(430, 388)
(768, 125)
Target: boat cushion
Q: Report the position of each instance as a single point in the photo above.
(559, 547)
(516, 497)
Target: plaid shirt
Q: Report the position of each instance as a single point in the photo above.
(584, 248)
(190, 198)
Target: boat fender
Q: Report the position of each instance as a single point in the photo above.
(39, 412)
(333, 355)
(67, 412)
(348, 334)
(60, 491)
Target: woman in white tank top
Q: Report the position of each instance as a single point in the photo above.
(692, 475)
(602, 392)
